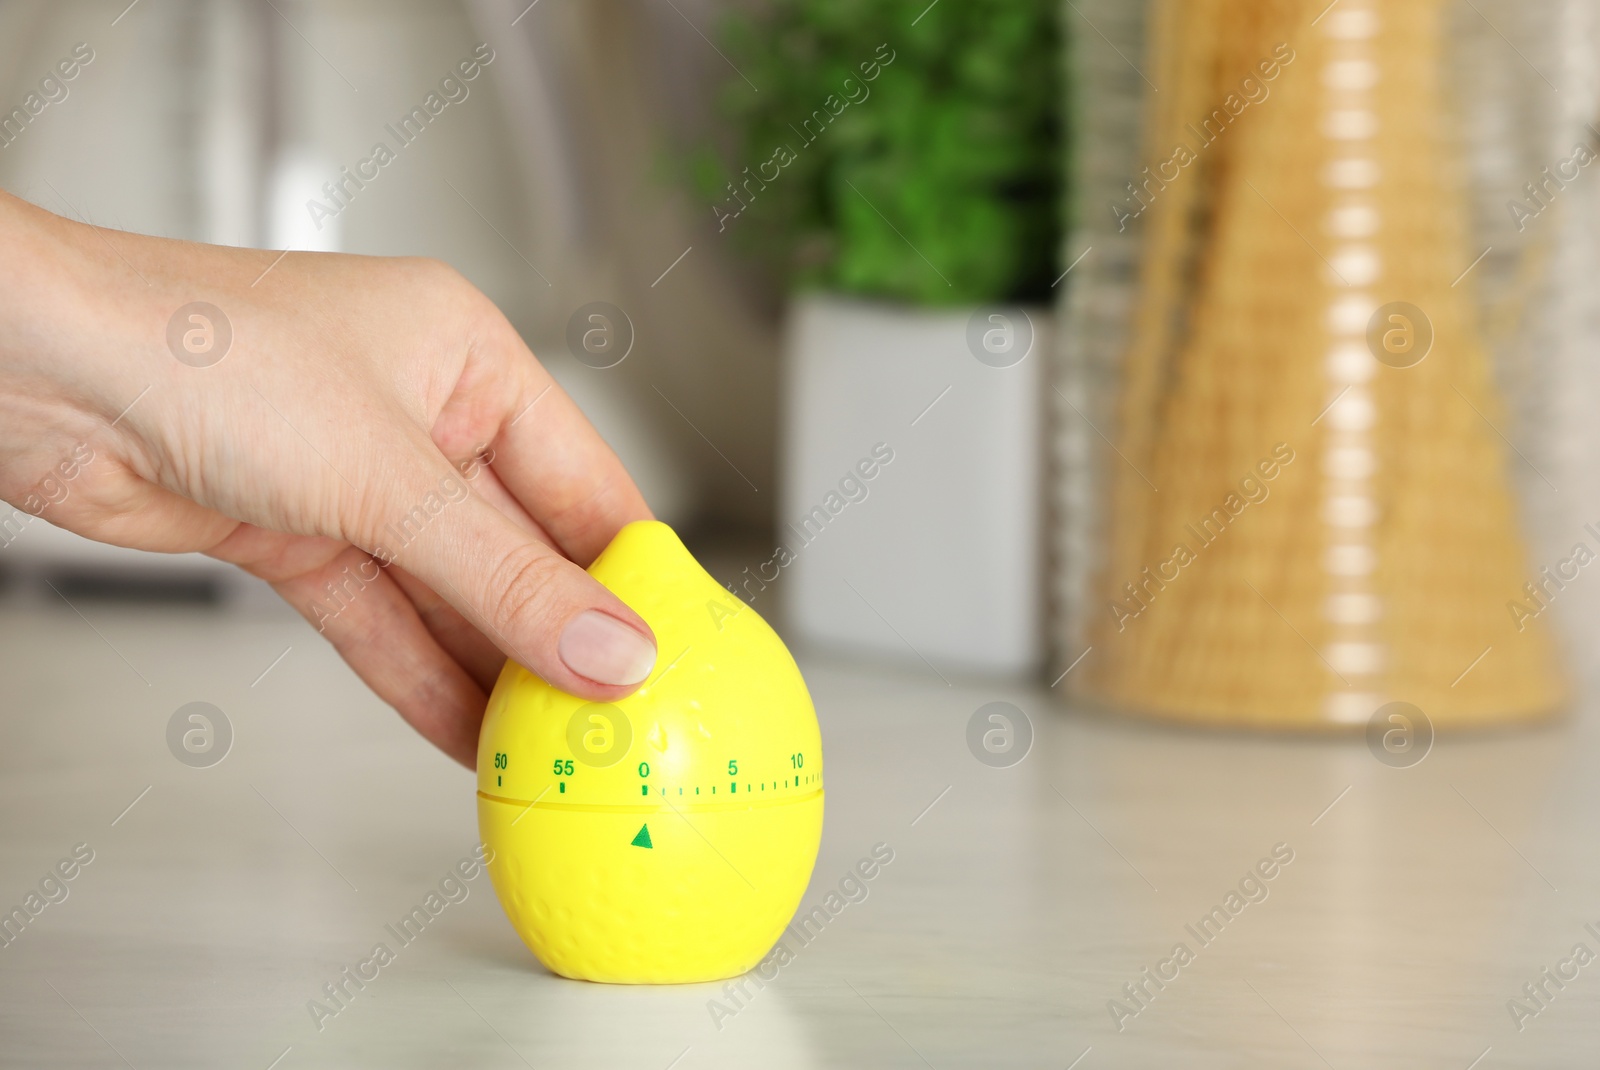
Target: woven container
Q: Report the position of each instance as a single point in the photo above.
(1298, 532)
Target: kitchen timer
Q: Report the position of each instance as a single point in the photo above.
(667, 837)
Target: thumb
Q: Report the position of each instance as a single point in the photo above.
(542, 610)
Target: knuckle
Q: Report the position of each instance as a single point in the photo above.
(441, 283)
(430, 270)
(522, 586)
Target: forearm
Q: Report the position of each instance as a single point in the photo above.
(84, 315)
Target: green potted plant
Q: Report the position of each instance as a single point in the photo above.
(899, 166)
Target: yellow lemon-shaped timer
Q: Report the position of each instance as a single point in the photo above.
(667, 837)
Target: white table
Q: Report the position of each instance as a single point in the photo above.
(1016, 907)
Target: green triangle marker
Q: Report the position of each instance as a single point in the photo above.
(643, 839)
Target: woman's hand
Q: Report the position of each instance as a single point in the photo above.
(375, 440)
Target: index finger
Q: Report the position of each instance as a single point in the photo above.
(551, 458)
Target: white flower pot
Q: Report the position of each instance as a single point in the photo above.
(910, 518)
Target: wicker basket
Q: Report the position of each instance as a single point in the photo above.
(1297, 531)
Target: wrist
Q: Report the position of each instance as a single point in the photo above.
(50, 362)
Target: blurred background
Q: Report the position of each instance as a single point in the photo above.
(1228, 363)
(785, 258)
(603, 160)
